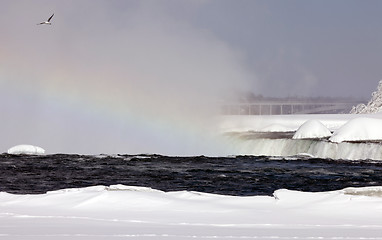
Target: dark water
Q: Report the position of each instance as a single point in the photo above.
(240, 175)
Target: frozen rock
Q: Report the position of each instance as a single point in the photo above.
(312, 129)
(359, 129)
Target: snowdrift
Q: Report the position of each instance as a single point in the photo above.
(26, 149)
(119, 211)
(359, 129)
(312, 129)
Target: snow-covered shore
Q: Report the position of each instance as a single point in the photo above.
(122, 212)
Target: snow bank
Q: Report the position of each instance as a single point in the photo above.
(312, 129)
(117, 212)
(26, 149)
(359, 129)
(277, 128)
(280, 123)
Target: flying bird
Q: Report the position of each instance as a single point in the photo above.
(47, 22)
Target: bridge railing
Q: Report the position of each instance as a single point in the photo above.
(285, 108)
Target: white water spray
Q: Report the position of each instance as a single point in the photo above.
(313, 147)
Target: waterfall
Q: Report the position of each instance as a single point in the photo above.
(252, 144)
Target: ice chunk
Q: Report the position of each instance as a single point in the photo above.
(312, 129)
(26, 149)
(365, 191)
(359, 129)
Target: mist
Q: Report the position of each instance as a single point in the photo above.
(109, 77)
(146, 76)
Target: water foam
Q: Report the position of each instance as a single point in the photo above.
(320, 148)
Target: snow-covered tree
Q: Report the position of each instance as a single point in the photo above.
(373, 106)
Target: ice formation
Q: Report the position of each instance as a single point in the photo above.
(312, 129)
(303, 147)
(26, 149)
(354, 137)
(359, 129)
(373, 106)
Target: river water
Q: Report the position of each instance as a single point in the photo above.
(236, 175)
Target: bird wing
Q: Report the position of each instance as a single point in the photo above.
(50, 17)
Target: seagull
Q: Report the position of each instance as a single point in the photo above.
(47, 22)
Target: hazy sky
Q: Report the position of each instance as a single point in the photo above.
(140, 76)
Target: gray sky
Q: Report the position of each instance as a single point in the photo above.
(142, 76)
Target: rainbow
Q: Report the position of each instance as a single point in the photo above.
(136, 126)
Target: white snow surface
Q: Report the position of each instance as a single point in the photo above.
(282, 123)
(359, 129)
(26, 149)
(312, 129)
(123, 212)
(285, 123)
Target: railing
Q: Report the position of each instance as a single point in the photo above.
(284, 108)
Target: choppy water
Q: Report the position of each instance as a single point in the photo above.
(240, 175)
